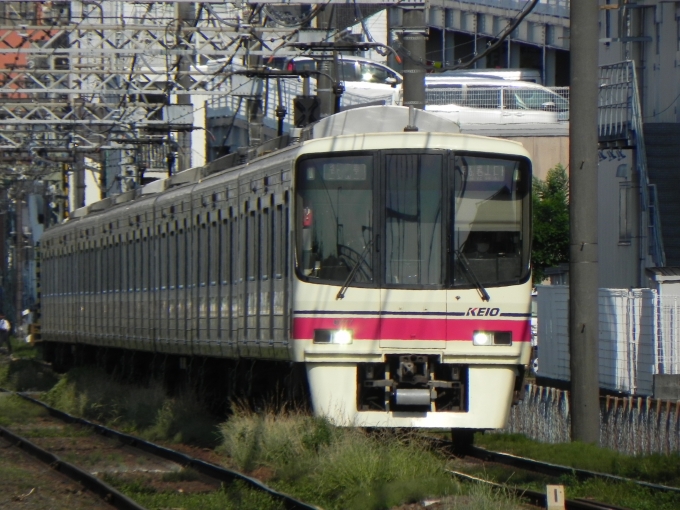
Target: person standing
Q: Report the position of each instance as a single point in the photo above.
(5, 327)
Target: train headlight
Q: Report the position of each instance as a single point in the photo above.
(482, 338)
(492, 338)
(332, 336)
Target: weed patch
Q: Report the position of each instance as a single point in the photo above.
(661, 469)
(338, 468)
(147, 411)
(236, 496)
(14, 410)
(664, 469)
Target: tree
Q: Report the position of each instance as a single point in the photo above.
(551, 221)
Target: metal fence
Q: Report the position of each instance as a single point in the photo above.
(630, 425)
(545, 99)
(638, 337)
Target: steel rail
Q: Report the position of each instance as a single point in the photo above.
(213, 471)
(537, 498)
(106, 492)
(558, 470)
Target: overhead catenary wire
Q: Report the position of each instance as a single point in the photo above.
(502, 37)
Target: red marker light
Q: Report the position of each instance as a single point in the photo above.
(306, 218)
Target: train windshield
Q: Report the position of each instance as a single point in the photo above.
(423, 219)
(490, 219)
(335, 212)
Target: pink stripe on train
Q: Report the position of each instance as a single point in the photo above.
(402, 328)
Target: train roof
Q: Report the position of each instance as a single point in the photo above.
(355, 129)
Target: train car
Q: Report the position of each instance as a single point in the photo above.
(392, 263)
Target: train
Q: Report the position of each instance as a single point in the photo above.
(381, 249)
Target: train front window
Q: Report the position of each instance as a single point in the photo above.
(490, 220)
(335, 218)
(413, 219)
(441, 219)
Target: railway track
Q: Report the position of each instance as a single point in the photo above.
(536, 498)
(208, 471)
(543, 468)
(90, 482)
(558, 470)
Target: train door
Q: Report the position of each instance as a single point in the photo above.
(413, 299)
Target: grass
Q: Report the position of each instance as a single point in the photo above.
(660, 469)
(146, 411)
(22, 349)
(335, 468)
(22, 373)
(655, 468)
(340, 468)
(236, 497)
(15, 410)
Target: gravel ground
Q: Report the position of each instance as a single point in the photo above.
(28, 484)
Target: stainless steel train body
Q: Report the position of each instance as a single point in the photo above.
(394, 265)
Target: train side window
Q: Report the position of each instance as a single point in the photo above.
(250, 254)
(116, 265)
(172, 260)
(163, 261)
(145, 263)
(181, 258)
(215, 248)
(124, 265)
(204, 254)
(278, 241)
(265, 245)
(224, 255)
(138, 264)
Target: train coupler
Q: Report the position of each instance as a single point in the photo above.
(412, 382)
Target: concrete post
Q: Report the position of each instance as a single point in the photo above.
(413, 40)
(186, 14)
(324, 87)
(583, 270)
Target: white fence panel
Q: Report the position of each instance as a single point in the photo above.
(667, 355)
(628, 350)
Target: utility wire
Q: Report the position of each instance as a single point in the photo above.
(504, 35)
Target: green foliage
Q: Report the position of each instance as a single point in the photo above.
(236, 496)
(339, 468)
(660, 469)
(93, 394)
(22, 349)
(653, 468)
(14, 409)
(26, 375)
(482, 497)
(551, 221)
(182, 419)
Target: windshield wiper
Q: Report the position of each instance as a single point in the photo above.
(471, 275)
(353, 272)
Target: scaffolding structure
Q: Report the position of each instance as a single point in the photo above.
(82, 77)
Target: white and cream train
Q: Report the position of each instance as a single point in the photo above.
(394, 264)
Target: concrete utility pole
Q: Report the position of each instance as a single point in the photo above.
(413, 40)
(326, 80)
(186, 17)
(78, 181)
(583, 270)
